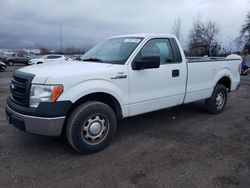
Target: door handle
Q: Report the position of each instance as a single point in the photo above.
(175, 73)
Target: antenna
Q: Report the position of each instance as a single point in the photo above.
(60, 38)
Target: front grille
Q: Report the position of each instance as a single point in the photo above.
(20, 88)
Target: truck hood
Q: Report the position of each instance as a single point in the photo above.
(43, 71)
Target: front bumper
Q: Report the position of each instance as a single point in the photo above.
(35, 125)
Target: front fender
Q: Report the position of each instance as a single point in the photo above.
(93, 86)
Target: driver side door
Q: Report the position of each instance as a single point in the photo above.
(157, 88)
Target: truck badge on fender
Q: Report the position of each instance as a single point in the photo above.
(119, 77)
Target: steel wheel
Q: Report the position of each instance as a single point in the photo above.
(11, 63)
(220, 100)
(216, 103)
(91, 127)
(95, 129)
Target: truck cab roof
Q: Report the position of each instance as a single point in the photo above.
(147, 35)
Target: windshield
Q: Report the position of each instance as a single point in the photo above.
(114, 50)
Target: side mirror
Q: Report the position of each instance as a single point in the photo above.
(146, 62)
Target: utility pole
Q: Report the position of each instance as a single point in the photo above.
(60, 38)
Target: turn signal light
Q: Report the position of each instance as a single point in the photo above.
(56, 92)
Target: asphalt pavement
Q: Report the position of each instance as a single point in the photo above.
(182, 146)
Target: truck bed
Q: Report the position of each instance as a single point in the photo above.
(208, 59)
(204, 73)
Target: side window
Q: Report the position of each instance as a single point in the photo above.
(53, 57)
(56, 56)
(158, 47)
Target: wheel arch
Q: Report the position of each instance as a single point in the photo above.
(103, 97)
(10, 61)
(226, 81)
(224, 77)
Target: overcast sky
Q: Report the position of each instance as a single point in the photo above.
(34, 24)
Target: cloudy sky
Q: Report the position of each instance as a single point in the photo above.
(34, 24)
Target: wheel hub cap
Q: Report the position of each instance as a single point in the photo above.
(219, 100)
(95, 128)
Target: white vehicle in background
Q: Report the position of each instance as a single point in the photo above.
(48, 59)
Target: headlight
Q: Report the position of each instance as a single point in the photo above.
(44, 93)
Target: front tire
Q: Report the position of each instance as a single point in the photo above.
(216, 103)
(91, 127)
(3, 68)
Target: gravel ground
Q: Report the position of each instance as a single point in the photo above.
(179, 147)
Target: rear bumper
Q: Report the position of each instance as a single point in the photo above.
(35, 125)
(238, 86)
(235, 86)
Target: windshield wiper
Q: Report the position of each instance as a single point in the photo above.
(93, 59)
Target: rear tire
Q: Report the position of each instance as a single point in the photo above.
(91, 127)
(216, 103)
(10, 63)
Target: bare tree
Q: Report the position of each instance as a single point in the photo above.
(72, 51)
(211, 30)
(203, 38)
(243, 40)
(177, 28)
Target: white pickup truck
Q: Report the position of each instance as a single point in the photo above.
(121, 77)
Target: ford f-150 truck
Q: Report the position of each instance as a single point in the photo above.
(121, 77)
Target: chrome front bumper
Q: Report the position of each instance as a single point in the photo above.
(35, 125)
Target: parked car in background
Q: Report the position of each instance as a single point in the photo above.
(2, 66)
(12, 58)
(76, 57)
(6, 55)
(47, 59)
